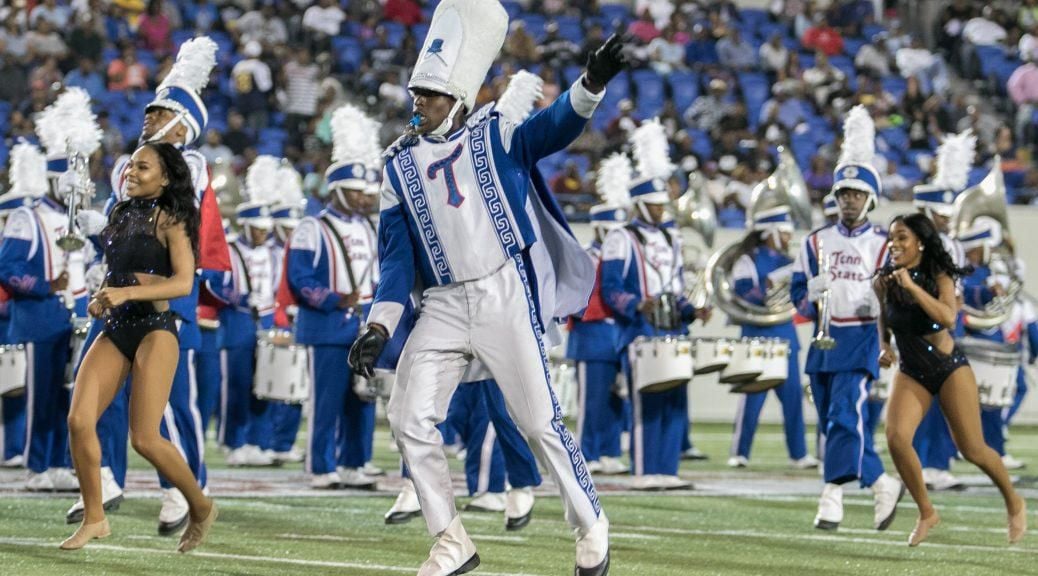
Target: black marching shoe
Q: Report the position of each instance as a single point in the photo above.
(600, 570)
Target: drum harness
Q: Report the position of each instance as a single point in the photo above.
(663, 285)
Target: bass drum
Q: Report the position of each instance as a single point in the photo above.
(995, 366)
(659, 364)
(282, 372)
(12, 370)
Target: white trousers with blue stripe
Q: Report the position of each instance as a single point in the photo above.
(492, 320)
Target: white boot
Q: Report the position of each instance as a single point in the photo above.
(111, 497)
(174, 513)
(593, 549)
(518, 508)
(487, 502)
(64, 479)
(887, 492)
(830, 508)
(453, 553)
(405, 507)
(613, 465)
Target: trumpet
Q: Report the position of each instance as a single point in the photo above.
(822, 340)
(79, 165)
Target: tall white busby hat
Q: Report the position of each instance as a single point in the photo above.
(653, 165)
(855, 169)
(27, 175)
(261, 191)
(954, 159)
(354, 148)
(464, 38)
(288, 208)
(68, 125)
(181, 89)
(612, 182)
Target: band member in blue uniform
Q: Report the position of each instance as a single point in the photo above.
(853, 249)
(641, 266)
(150, 246)
(332, 271)
(918, 296)
(763, 268)
(594, 336)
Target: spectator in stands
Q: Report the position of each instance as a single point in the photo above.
(984, 30)
(848, 16)
(301, 85)
(520, 45)
(263, 25)
(111, 137)
(707, 110)
(1027, 48)
(737, 194)
(201, 15)
(16, 41)
(819, 178)
(550, 90)
(822, 79)
(931, 70)
(804, 19)
(785, 109)
(1027, 15)
(126, 73)
(950, 23)
(823, 37)
(594, 38)
(620, 128)
(86, 76)
(644, 28)
(873, 59)
(735, 53)
(117, 25)
(87, 38)
(773, 56)
(921, 128)
(666, 54)
(46, 76)
(983, 124)
(45, 41)
(154, 30)
(322, 22)
(1023, 89)
(235, 137)
(895, 186)
(406, 12)
(568, 181)
(252, 86)
(556, 51)
(735, 120)
(792, 71)
(51, 11)
(214, 150)
(14, 83)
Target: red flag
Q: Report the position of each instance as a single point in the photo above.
(284, 297)
(213, 252)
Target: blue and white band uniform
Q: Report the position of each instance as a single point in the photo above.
(285, 417)
(750, 275)
(633, 270)
(496, 263)
(840, 377)
(318, 278)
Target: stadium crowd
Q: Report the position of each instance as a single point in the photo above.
(730, 84)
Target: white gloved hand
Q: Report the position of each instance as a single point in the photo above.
(95, 276)
(90, 222)
(817, 286)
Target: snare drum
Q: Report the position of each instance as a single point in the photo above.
(747, 361)
(281, 369)
(712, 354)
(12, 370)
(774, 369)
(659, 364)
(995, 366)
(80, 329)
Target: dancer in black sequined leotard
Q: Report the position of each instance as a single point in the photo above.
(150, 245)
(917, 292)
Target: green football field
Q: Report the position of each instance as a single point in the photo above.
(750, 521)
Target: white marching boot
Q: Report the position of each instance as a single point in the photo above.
(452, 554)
(830, 508)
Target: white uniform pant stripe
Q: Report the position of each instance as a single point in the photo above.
(863, 395)
(637, 432)
(30, 398)
(222, 431)
(486, 458)
(740, 411)
(309, 411)
(196, 415)
(174, 432)
(581, 400)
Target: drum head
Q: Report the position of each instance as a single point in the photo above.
(745, 378)
(757, 386)
(662, 386)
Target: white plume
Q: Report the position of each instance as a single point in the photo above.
(261, 181)
(613, 180)
(290, 185)
(195, 61)
(351, 141)
(69, 123)
(651, 151)
(859, 137)
(28, 170)
(374, 155)
(954, 159)
(524, 89)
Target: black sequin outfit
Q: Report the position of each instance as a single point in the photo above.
(131, 246)
(920, 359)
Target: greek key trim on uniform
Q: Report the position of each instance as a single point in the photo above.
(418, 202)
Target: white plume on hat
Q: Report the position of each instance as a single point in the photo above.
(613, 179)
(859, 137)
(289, 185)
(954, 159)
(524, 90)
(195, 61)
(261, 180)
(28, 172)
(651, 150)
(374, 146)
(69, 124)
(351, 141)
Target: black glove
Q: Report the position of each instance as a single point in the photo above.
(606, 62)
(367, 349)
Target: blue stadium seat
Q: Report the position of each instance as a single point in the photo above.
(852, 45)
(395, 31)
(753, 18)
(896, 137)
(514, 9)
(4, 153)
(615, 12)
(649, 87)
(767, 29)
(755, 91)
(571, 73)
(534, 25)
(896, 85)
(420, 31)
(911, 173)
(684, 89)
(181, 36)
(349, 54)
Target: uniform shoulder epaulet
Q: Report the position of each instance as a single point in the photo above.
(879, 230)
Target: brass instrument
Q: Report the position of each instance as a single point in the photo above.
(988, 198)
(82, 190)
(785, 187)
(822, 340)
(695, 210)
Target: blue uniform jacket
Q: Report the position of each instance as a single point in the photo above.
(754, 289)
